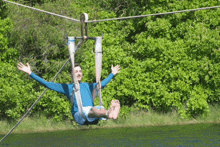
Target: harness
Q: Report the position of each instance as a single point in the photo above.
(98, 62)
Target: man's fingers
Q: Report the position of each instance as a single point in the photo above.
(21, 64)
(117, 67)
(20, 68)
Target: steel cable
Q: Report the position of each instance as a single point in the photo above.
(42, 11)
(77, 47)
(139, 16)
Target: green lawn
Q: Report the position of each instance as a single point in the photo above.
(136, 118)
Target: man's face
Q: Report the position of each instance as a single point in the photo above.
(78, 73)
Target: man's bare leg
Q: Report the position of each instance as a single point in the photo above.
(94, 112)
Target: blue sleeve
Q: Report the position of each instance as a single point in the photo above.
(61, 88)
(103, 83)
(107, 80)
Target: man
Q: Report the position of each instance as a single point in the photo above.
(93, 114)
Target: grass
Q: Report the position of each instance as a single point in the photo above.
(135, 118)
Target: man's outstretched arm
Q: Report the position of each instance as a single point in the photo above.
(61, 88)
(115, 70)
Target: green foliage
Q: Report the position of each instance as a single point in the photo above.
(3, 8)
(16, 92)
(34, 2)
(7, 54)
(168, 62)
(54, 105)
(171, 57)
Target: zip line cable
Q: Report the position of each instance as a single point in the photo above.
(78, 45)
(42, 11)
(111, 19)
(139, 16)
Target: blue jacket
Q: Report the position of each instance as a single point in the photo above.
(67, 89)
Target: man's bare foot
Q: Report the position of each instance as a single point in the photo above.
(111, 110)
(116, 109)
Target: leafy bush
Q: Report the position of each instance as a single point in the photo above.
(168, 62)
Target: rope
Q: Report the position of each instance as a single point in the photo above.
(77, 47)
(42, 11)
(139, 16)
(33, 104)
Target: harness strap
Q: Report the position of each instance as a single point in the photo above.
(98, 63)
(76, 89)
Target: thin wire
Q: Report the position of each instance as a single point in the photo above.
(77, 47)
(34, 103)
(139, 16)
(43, 11)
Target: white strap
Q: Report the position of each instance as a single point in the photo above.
(98, 63)
(76, 90)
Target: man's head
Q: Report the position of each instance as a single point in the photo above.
(78, 72)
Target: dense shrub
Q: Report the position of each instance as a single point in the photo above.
(168, 62)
